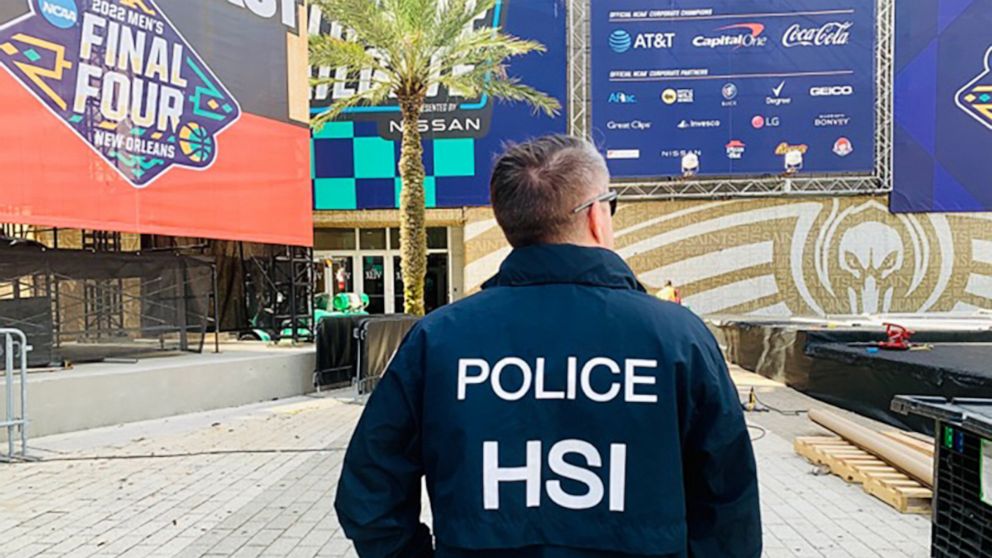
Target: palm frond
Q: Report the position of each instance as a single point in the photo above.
(372, 25)
(476, 83)
(455, 19)
(373, 96)
(334, 52)
(485, 47)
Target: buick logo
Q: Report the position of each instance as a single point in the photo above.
(834, 33)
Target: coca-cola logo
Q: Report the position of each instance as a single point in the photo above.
(835, 33)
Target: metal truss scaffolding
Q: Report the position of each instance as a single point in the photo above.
(878, 182)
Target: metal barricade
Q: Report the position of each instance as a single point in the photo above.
(14, 348)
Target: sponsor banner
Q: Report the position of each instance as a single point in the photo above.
(114, 119)
(733, 80)
(943, 106)
(355, 157)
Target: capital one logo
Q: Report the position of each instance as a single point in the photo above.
(124, 80)
(746, 35)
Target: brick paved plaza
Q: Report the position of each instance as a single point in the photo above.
(211, 484)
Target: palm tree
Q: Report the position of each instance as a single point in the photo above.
(412, 46)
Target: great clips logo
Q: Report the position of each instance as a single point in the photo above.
(120, 75)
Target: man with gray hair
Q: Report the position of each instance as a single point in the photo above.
(560, 413)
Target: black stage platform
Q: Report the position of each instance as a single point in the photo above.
(828, 360)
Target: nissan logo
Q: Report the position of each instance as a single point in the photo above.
(831, 91)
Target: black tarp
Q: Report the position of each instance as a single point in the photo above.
(98, 305)
(379, 338)
(849, 376)
(357, 348)
(337, 350)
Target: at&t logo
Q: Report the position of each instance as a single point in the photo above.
(621, 41)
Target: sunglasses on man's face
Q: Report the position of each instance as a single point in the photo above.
(611, 197)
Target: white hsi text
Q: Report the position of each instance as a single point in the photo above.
(615, 490)
(513, 378)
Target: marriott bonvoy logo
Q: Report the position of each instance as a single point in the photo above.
(120, 75)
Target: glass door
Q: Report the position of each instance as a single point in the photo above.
(435, 282)
(374, 282)
(340, 275)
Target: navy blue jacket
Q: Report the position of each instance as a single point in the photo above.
(561, 413)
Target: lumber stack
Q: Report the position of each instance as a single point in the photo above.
(895, 467)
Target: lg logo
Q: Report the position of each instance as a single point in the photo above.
(832, 91)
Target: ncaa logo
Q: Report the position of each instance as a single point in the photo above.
(60, 13)
(620, 41)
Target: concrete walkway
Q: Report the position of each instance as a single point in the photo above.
(259, 481)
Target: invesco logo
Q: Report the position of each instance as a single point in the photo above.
(620, 41)
(60, 13)
(831, 91)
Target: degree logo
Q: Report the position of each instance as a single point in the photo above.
(132, 89)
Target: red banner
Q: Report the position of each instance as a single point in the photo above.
(110, 120)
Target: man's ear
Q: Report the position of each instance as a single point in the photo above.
(595, 223)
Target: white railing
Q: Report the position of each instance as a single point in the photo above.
(14, 348)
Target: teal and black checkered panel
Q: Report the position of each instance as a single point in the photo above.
(353, 168)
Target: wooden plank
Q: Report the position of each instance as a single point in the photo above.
(899, 491)
(913, 443)
(877, 478)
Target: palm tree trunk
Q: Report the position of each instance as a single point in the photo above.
(413, 231)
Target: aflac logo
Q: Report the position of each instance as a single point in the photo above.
(60, 13)
(619, 97)
(620, 41)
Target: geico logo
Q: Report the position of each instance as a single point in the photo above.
(530, 473)
(654, 40)
(832, 91)
(633, 125)
(513, 378)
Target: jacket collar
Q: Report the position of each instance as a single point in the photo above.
(546, 264)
